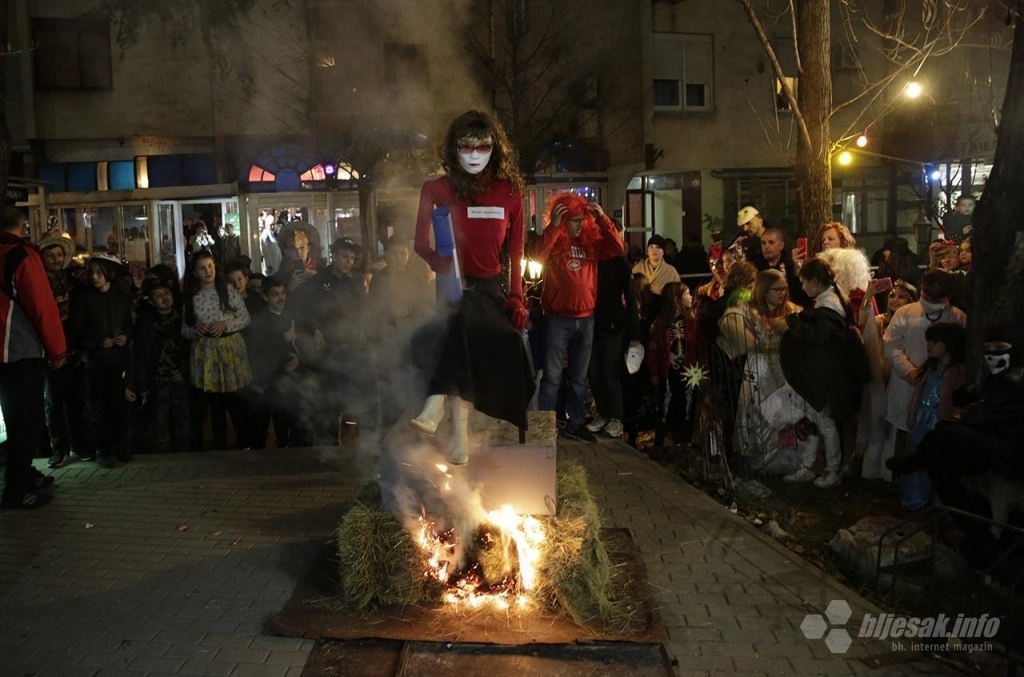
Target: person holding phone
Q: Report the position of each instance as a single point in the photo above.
(775, 257)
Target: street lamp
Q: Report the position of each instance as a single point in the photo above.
(913, 89)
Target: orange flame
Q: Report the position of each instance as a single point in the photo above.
(468, 587)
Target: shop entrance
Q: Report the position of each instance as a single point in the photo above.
(332, 214)
(175, 217)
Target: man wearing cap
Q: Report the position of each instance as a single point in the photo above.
(64, 420)
(337, 325)
(32, 333)
(655, 268)
(751, 225)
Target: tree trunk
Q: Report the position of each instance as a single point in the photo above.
(997, 284)
(5, 131)
(812, 165)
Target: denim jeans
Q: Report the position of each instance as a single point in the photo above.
(573, 338)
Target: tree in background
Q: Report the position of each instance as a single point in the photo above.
(903, 42)
(525, 56)
(997, 287)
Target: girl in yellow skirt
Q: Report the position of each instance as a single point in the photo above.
(218, 366)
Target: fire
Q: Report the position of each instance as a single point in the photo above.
(468, 586)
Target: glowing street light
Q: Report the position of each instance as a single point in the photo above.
(913, 89)
(862, 140)
(845, 158)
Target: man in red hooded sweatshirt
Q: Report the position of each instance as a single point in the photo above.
(30, 330)
(577, 237)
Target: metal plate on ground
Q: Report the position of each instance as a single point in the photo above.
(433, 659)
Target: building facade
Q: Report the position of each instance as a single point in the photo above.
(667, 112)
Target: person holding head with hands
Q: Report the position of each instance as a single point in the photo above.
(578, 235)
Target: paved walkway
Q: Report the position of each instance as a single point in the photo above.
(172, 564)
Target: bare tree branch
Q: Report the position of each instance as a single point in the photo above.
(777, 68)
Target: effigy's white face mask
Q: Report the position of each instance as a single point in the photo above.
(474, 154)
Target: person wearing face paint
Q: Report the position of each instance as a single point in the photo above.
(986, 435)
(906, 347)
(578, 236)
(483, 360)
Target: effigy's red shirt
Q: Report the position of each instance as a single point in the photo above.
(480, 228)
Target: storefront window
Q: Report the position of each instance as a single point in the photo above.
(168, 235)
(346, 224)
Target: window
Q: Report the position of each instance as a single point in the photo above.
(783, 48)
(864, 204)
(683, 72)
(72, 53)
(781, 102)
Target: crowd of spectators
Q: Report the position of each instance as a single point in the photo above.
(152, 360)
(808, 361)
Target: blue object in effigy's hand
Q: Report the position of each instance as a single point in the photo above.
(444, 240)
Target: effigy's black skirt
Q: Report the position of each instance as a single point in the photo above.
(479, 355)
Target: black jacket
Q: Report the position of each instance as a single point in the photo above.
(95, 316)
(616, 309)
(824, 360)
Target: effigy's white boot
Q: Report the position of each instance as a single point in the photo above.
(431, 416)
(458, 442)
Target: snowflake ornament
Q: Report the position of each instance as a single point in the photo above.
(694, 375)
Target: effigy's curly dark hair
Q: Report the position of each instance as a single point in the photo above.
(504, 162)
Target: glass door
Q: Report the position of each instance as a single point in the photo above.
(170, 240)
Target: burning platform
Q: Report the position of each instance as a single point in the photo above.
(506, 550)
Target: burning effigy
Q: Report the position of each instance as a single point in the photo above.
(494, 559)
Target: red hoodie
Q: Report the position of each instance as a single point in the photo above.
(570, 282)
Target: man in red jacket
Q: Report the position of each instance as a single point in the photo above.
(578, 236)
(30, 330)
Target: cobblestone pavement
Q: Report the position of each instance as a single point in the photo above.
(172, 564)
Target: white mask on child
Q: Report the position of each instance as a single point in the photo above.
(997, 362)
(997, 356)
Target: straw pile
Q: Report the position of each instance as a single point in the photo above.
(574, 573)
(380, 565)
(378, 562)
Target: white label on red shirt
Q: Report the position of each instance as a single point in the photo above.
(485, 212)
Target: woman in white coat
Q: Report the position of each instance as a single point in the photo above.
(905, 345)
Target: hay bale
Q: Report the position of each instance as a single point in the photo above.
(576, 571)
(574, 497)
(496, 555)
(378, 562)
(381, 565)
